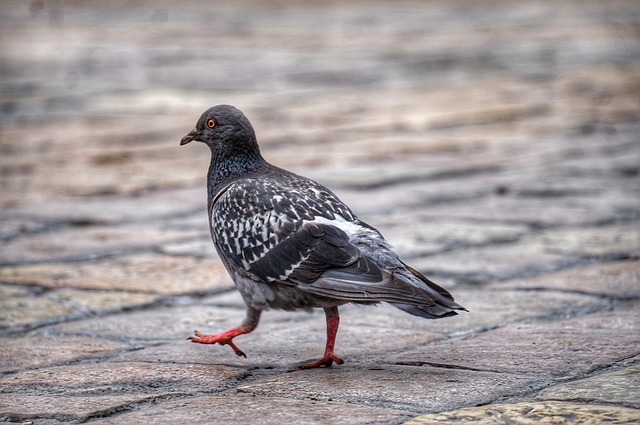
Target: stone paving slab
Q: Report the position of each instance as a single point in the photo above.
(551, 412)
(612, 241)
(172, 322)
(620, 387)
(550, 350)
(143, 273)
(81, 391)
(419, 389)
(26, 408)
(495, 262)
(34, 310)
(434, 236)
(617, 279)
(112, 209)
(19, 308)
(500, 156)
(282, 339)
(80, 243)
(119, 377)
(44, 350)
(542, 251)
(568, 211)
(262, 410)
(489, 309)
(289, 338)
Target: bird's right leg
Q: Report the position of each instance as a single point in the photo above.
(333, 321)
(249, 323)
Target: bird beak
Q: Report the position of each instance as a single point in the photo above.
(189, 137)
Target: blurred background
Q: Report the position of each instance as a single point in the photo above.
(96, 95)
(495, 144)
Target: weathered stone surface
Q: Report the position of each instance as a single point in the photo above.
(296, 338)
(194, 247)
(163, 206)
(24, 407)
(485, 149)
(536, 253)
(24, 309)
(80, 391)
(119, 377)
(42, 350)
(262, 410)
(494, 262)
(617, 279)
(34, 307)
(283, 339)
(431, 236)
(103, 168)
(506, 196)
(231, 299)
(182, 352)
(366, 333)
(487, 309)
(87, 243)
(103, 301)
(621, 388)
(157, 325)
(147, 273)
(16, 226)
(419, 389)
(548, 412)
(606, 241)
(269, 347)
(567, 210)
(547, 350)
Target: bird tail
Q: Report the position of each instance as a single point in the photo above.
(404, 288)
(443, 304)
(428, 311)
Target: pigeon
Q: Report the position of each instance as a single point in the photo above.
(290, 243)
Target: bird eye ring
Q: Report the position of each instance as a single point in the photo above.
(211, 123)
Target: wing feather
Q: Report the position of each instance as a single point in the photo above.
(307, 238)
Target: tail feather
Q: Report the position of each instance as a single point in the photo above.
(428, 312)
(443, 303)
(404, 288)
(429, 283)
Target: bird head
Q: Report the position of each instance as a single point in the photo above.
(223, 128)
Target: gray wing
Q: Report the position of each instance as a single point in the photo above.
(269, 229)
(306, 237)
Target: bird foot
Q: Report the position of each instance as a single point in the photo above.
(326, 361)
(224, 338)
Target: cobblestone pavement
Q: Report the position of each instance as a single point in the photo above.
(495, 144)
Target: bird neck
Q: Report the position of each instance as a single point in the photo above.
(224, 170)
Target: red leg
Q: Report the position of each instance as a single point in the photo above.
(333, 321)
(225, 338)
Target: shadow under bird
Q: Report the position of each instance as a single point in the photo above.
(289, 243)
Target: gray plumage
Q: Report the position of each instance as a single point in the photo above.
(289, 242)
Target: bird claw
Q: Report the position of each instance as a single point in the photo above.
(224, 338)
(238, 351)
(326, 361)
(194, 338)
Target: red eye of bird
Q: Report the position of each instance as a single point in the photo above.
(211, 123)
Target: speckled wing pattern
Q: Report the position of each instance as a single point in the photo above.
(270, 229)
(291, 231)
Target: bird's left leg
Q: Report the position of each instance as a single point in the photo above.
(333, 321)
(249, 323)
